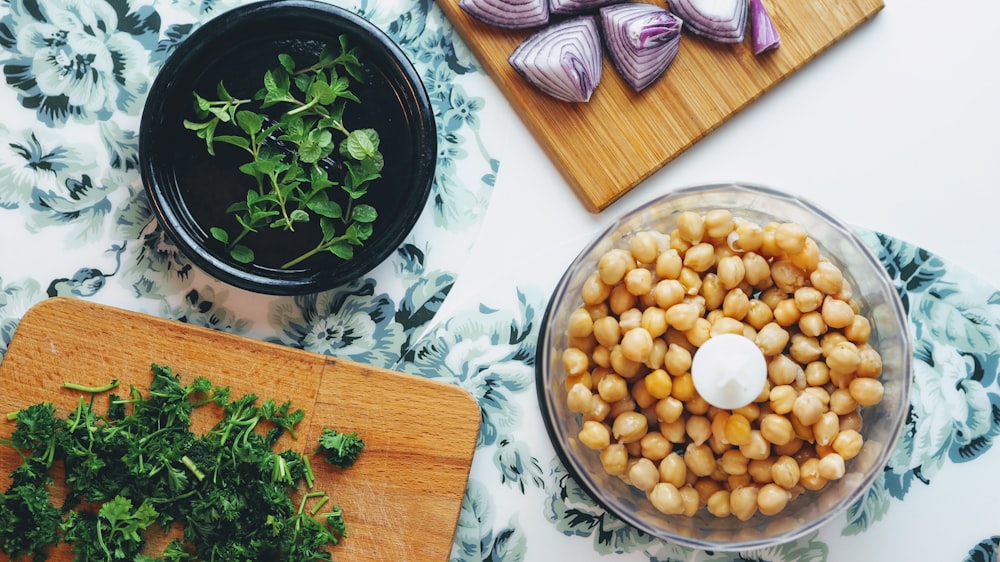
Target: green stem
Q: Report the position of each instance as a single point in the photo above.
(91, 389)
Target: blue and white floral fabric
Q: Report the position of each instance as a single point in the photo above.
(74, 222)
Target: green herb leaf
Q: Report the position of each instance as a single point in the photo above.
(219, 234)
(330, 209)
(342, 249)
(364, 213)
(250, 122)
(241, 254)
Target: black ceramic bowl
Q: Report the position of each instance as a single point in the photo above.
(190, 190)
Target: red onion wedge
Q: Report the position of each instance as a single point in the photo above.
(723, 21)
(577, 6)
(510, 14)
(763, 34)
(564, 60)
(642, 40)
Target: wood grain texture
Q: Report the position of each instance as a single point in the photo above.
(401, 499)
(607, 146)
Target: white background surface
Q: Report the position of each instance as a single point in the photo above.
(893, 129)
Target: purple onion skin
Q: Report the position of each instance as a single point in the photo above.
(763, 34)
(563, 60)
(508, 14)
(642, 40)
(568, 7)
(730, 29)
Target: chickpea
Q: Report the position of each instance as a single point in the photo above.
(751, 411)
(607, 331)
(782, 397)
(644, 246)
(629, 427)
(622, 406)
(731, 271)
(578, 398)
(781, 370)
(612, 388)
(666, 498)
(643, 474)
(712, 291)
(809, 476)
(653, 319)
(743, 502)
(636, 345)
(808, 258)
(595, 435)
(594, 291)
(841, 402)
(812, 324)
(827, 278)
(772, 339)
(698, 428)
(580, 324)
(643, 399)
(669, 409)
(691, 500)
(682, 316)
(658, 384)
(639, 281)
(669, 264)
(747, 236)
(772, 498)
(759, 314)
(837, 313)
(718, 504)
(678, 360)
(654, 446)
(620, 300)
(777, 429)
(674, 431)
(700, 257)
(613, 265)
(691, 280)
(831, 467)
(655, 359)
(733, 463)
(790, 238)
(699, 459)
(718, 223)
(848, 443)
(691, 226)
(827, 428)
(804, 349)
(757, 269)
(786, 314)
(575, 361)
(760, 470)
(727, 325)
(673, 469)
(700, 333)
(866, 391)
(614, 458)
(807, 408)
(870, 364)
(851, 420)
(787, 276)
(683, 387)
(785, 472)
(859, 331)
(757, 448)
(599, 409)
(623, 365)
(817, 373)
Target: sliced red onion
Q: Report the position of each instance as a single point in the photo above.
(723, 21)
(563, 60)
(577, 6)
(642, 40)
(763, 34)
(510, 14)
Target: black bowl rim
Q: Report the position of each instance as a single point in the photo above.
(541, 387)
(299, 281)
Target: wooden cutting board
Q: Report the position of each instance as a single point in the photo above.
(402, 498)
(607, 146)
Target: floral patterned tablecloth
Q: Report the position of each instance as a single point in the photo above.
(75, 222)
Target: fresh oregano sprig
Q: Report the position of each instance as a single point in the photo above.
(291, 155)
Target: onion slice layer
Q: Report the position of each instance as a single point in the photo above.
(564, 60)
(763, 34)
(509, 14)
(723, 21)
(577, 6)
(642, 40)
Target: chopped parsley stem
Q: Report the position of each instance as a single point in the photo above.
(191, 466)
(91, 389)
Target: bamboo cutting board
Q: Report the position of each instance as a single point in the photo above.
(402, 498)
(606, 146)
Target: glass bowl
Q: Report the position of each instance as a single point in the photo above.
(190, 190)
(877, 299)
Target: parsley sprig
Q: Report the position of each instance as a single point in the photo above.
(292, 155)
(138, 466)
